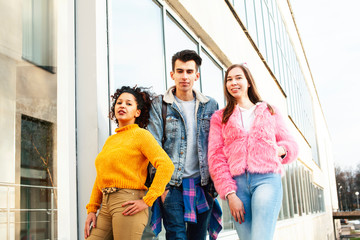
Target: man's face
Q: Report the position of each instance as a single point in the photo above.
(184, 75)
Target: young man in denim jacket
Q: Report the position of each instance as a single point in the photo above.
(187, 129)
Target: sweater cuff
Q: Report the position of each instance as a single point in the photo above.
(149, 200)
(226, 195)
(92, 208)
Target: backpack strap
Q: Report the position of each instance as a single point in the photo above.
(163, 114)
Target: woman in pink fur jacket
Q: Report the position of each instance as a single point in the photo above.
(248, 143)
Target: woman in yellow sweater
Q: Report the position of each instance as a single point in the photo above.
(121, 168)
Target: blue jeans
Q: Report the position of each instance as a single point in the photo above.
(261, 195)
(173, 218)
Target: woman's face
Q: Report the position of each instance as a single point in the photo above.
(236, 83)
(126, 109)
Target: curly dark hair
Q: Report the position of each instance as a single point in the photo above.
(143, 99)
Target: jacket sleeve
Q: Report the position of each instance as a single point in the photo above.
(155, 125)
(95, 198)
(285, 139)
(218, 165)
(163, 164)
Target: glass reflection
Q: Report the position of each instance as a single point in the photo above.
(136, 45)
(212, 79)
(38, 32)
(176, 39)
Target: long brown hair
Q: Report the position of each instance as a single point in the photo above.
(253, 93)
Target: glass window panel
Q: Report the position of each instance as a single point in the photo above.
(289, 190)
(316, 199)
(273, 45)
(294, 189)
(267, 34)
(37, 146)
(38, 214)
(286, 47)
(38, 33)
(278, 32)
(261, 43)
(251, 20)
(322, 207)
(36, 170)
(321, 202)
(312, 198)
(177, 39)
(307, 189)
(272, 7)
(240, 8)
(136, 45)
(285, 200)
(285, 74)
(212, 79)
(300, 192)
(281, 68)
(281, 213)
(303, 189)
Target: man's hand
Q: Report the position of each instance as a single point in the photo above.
(163, 196)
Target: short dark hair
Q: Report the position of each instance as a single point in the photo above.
(187, 55)
(143, 100)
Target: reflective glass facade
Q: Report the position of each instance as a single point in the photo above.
(28, 110)
(267, 29)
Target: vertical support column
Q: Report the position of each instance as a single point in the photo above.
(92, 97)
(66, 128)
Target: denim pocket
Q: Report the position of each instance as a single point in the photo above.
(205, 123)
(172, 131)
(172, 124)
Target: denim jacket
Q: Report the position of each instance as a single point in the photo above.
(176, 141)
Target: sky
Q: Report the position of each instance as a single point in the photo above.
(330, 33)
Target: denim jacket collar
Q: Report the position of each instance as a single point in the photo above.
(170, 98)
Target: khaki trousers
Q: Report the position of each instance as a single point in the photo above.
(112, 224)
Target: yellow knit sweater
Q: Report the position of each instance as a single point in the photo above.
(123, 162)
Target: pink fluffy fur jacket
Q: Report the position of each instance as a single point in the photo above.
(232, 149)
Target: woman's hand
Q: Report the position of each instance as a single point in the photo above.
(91, 218)
(281, 151)
(135, 207)
(236, 207)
